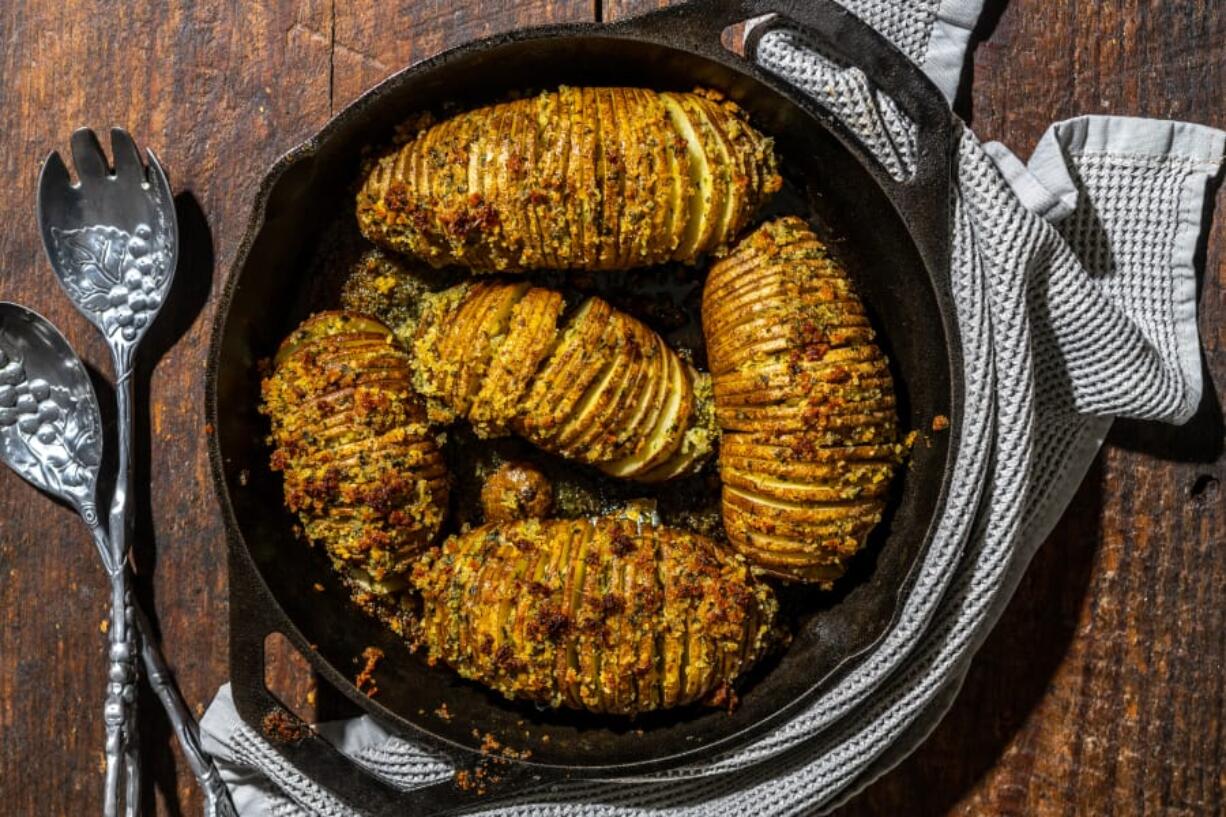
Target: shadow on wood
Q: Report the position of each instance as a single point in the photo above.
(1008, 677)
(188, 295)
(964, 104)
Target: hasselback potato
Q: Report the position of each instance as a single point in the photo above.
(805, 402)
(361, 467)
(608, 614)
(603, 389)
(580, 178)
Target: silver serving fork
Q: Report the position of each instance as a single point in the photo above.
(112, 240)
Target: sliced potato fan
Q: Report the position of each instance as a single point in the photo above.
(361, 468)
(805, 401)
(578, 178)
(606, 614)
(602, 389)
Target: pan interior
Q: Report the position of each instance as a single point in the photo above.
(311, 203)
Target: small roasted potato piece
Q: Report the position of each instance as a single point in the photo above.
(603, 389)
(516, 490)
(580, 178)
(606, 614)
(805, 401)
(361, 467)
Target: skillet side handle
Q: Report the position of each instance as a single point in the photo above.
(840, 35)
(298, 745)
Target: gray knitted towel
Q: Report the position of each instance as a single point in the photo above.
(1075, 289)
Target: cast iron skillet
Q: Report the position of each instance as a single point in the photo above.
(900, 235)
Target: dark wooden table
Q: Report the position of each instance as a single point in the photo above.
(1101, 691)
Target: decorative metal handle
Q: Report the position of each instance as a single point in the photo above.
(217, 796)
(119, 709)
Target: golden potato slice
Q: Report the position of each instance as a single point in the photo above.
(599, 438)
(521, 161)
(783, 379)
(795, 449)
(723, 167)
(668, 431)
(562, 379)
(491, 326)
(586, 252)
(809, 486)
(680, 173)
(803, 542)
(699, 440)
(701, 207)
(432, 335)
(642, 405)
(667, 172)
(528, 189)
(610, 178)
(853, 429)
(819, 514)
(632, 182)
(595, 399)
(840, 473)
(589, 414)
(641, 230)
(530, 337)
(746, 177)
(576, 198)
(445, 208)
(514, 231)
(554, 125)
(456, 352)
(647, 407)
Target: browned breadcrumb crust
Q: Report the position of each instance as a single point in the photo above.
(608, 614)
(805, 402)
(365, 679)
(361, 466)
(603, 389)
(488, 770)
(578, 178)
(280, 726)
(516, 490)
(391, 288)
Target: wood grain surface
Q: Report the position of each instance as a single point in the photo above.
(1101, 692)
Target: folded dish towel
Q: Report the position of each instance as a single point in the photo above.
(1075, 288)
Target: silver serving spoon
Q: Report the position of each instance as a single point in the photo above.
(51, 434)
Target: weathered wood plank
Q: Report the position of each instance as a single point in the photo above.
(371, 46)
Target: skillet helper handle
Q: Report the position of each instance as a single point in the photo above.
(254, 617)
(843, 37)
